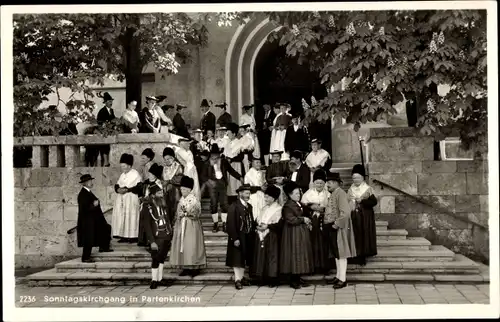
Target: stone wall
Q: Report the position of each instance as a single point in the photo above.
(404, 159)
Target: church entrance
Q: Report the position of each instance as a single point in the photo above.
(279, 78)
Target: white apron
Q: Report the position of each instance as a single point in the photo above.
(125, 218)
(256, 178)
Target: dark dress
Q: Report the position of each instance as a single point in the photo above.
(266, 253)
(296, 140)
(264, 135)
(180, 127)
(296, 255)
(240, 224)
(224, 119)
(365, 230)
(319, 243)
(92, 229)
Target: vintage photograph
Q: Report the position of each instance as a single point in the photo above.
(233, 158)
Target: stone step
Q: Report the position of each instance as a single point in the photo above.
(54, 278)
(207, 223)
(459, 266)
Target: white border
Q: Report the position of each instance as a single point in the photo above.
(230, 313)
(228, 65)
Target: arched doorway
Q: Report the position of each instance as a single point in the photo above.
(279, 78)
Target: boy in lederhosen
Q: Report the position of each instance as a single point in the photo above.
(159, 232)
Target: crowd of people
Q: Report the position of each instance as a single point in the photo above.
(285, 217)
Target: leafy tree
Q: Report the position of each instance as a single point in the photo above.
(74, 51)
(387, 56)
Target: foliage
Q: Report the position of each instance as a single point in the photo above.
(387, 56)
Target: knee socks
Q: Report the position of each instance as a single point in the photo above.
(223, 217)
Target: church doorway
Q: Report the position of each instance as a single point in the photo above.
(279, 78)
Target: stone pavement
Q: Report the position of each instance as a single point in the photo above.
(227, 295)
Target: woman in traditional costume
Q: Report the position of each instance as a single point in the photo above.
(131, 118)
(257, 180)
(280, 125)
(248, 119)
(318, 158)
(172, 173)
(296, 256)
(185, 157)
(233, 153)
(147, 158)
(188, 245)
(267, 240)
(125, 220)
(315, 201)
(247, 144)
(338, 228)
(361, 201)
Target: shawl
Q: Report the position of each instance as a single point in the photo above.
(255, 178)
(270, 215)
(317, 159)
(170, 171)
(362, 191)
(316, 197)
(129, 179)
(233, 148)
(131, 116)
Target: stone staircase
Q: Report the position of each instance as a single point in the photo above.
(400, 259)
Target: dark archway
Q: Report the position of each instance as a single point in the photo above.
(279, 78)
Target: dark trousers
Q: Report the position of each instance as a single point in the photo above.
(104, 240)
(158, 256)
(87, 250)
(218, 196)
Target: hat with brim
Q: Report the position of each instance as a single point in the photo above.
(182, 139)
(318, 141)
(161, 98)
(151, 98)
(197, 131)
(319, 174)
(244, 126)
(85, 178)
(167, 107)
(276, 152)
(179, 106)
(106, 97)
(233, 127)
(247, 107)
(244, 187)
(204, 103)
(221, 128)
(335, 176)
(359, 169)
(289, 187)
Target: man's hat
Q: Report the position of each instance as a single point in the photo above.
(296, 155)
(168, 151)
(161, 98)
(154, 189)
(335, 176)
(204, 103)
(183, 139)
(244, 126)
(222, 105)
(214, 149)
(149, 153)
(127, 159)
(151, 98)
(244, 187)
(167, 107)
(233, 127)
(316, 140)
(276, 152)
(106, 97)
(85, 178)
(197, 131)
(221, 128)
(156, 170)
(180, 105)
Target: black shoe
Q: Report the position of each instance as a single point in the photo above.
(185, 272)
(132, 240)
(141, 244)
(165, 282)
(216, 227)
(340, 284)
(194, 272)
(88, 260)
(303, 283)
(106, 250)
(123, 240)
(153, 285)
(334, 281)
(245, 282)
(295, 285)
(224, 227)
(238, 285)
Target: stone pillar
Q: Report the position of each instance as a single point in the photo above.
(72, 155)
(36, 159)
(53, 156)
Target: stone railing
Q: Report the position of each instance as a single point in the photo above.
(404, 159)
(66, 151)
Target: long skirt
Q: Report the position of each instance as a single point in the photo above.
(258, 202)
(125, 218)
(278, 142)
(365, 233)
(319, 243)
(188, 245)
(233, 182)
(266, 256)
(296, 256)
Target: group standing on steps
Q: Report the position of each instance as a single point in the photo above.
(285, 218)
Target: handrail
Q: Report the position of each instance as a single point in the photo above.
(72, 230)
(427, 203)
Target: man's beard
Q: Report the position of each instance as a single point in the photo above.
(160, 201)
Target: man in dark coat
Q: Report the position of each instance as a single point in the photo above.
(105, 115)
(208, 118)
(92, 229)
(224, 118)
(297, 137)
(180, 127)
(264, 135)
(299, 171)
(239, 227)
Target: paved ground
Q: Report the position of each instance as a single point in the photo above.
(215, 295)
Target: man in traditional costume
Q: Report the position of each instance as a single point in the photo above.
(264, 134)
(208, 119)
(299, 172)
(264, 268)
(338, 229)
(105, 115)
(125, 220)
(280, 125)
(297, 137)
(277, 172)
(239, 227)
(362, 200)
(188, 245)
(180, 127)
(318, 158)
(153, 177)
(224, 118)
(219, 170)
(92, 229)
(315, 200)
(159, 231)
(233, 153)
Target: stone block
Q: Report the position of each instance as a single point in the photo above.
(143, 137)
(110, 175)
(390, 132)
(484, 203)
(51, 210)
(89, 139)
(406, 182)
(413, 221)
(452, 237)
(72, 175)
(39, 194)
(467, 203)
(387, 205)
(439, 166)
(37, 227)
(480, 166)
(49, 140)
(45, 177)
(445, 221)
(442, 184)
(36, 159)
(402, 149)
(72, 156)
(26, 210)
(70, 212)
(19, 181)
(395, 220)
(481, 242)
(23, 141)
(394, 167)
(480, 218)
(477, 183)
(70, 194)
(406, 204)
